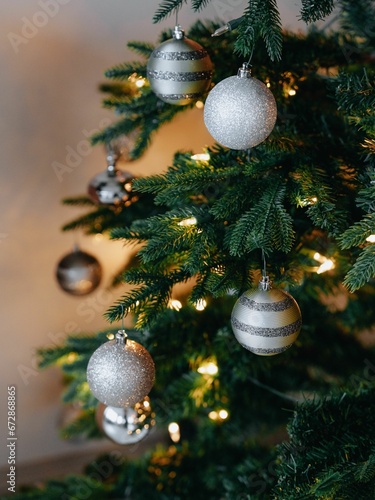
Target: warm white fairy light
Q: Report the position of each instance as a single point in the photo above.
(209, 368)
(218, 415)
(190, 221)
(201, 157)
(292, 92)
(140, 82)
(174, 304)
(371, 238)
(319, 258)
(199, 104)
(223, 414)
(326, 266)
(174, 432)
(200, 305)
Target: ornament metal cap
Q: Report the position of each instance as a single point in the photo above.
(265, 283)
(244, 71)
(121, 337)
(111, 163)
(178, 32)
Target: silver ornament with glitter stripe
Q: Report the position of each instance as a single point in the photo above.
(120, 372)
(179, 70)
(266, 321)
(240, 112)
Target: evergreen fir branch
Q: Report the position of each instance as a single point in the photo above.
(356, 235)
(362, 271)
(267, 225)
(314, 10)
(124, 70)
(149, 299)
(199, 4)
(79, 201)
(357, 18)
(142, 48)
(166, 8)
(261, 19)
(356, 94)
(270, 29)
(84, 426)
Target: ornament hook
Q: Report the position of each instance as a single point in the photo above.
(178, 32)
(250, 28)
(121, 335)
(111, 159)
(264, 283)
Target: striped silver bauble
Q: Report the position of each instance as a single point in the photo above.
(266, 321)
(179, 70)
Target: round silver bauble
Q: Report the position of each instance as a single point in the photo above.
(179, 70)
(266, 321)
(112, 187)
(78, 273)
(120, 372)
(126, 425)
(240, 112)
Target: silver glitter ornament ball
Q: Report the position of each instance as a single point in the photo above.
(179, 70)
(120, 372)
(78, 273)
(126, 425)
(240, 112)
(266, 321)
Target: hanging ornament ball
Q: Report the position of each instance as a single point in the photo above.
(240, 112)
(266, 321)
(112, 187)
(179, 70)
(78, 273)
(126, 425)
(120, 372)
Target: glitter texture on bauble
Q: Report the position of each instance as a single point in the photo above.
(266, 321)
(179, 70)
(120, 372)
(240, 112)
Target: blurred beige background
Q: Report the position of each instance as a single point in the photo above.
(53, 54)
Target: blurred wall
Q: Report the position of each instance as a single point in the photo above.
(52, 56)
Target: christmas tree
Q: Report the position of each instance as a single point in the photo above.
(290, 207)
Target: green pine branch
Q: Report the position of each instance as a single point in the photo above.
(314, 10)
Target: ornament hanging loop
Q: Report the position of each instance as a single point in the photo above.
(112, 158)
(121, 335)
(250, 28)
(264, 283)
(178, 32)
(245, 70)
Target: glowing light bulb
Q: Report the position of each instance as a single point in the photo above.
(208, 369)
(319, 257)
(326, 266)
(174, 432)
(223, 414)
(199, 104)
(371, 238)
(188, 222)
(174, 304)
(201, 157)
(201, 305)
(292, 92)
(212, 415)
(140, 82)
